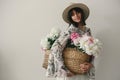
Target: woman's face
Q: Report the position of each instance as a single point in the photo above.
(76, 17)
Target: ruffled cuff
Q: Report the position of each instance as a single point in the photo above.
(91, 73)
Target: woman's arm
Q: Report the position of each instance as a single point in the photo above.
(56, 65)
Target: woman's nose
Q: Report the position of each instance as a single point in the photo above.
(75, 15)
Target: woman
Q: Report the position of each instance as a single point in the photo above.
(75, 15)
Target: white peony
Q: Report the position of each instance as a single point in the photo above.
(54, 33)
(82, 43)
(88, 51)
(89, 48)
(44, 43)
(76, 41)
(51, 36)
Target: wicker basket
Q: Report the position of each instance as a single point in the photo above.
(72, 59)
(45, 61)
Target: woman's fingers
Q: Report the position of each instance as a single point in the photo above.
(84, 70)
(85, 67)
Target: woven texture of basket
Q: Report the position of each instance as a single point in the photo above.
(72, 59)
(46, 57)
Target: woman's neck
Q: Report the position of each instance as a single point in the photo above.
(81, 27)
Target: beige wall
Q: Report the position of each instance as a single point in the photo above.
(24, 22)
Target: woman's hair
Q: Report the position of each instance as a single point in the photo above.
(78, 10)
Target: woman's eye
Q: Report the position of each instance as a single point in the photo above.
(73, 14)
(77, 13)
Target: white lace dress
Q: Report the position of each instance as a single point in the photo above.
(76, 77)
(56, 65)
(79, 77)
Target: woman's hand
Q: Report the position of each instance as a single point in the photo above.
(85, 67)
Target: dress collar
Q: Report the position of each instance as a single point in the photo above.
(78, 29)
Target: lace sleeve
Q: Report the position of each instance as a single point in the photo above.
(56, 65)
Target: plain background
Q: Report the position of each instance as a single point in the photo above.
(24, 22)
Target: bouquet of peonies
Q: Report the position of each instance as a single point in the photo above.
(47, 42)
(78, 49)
(86, 44)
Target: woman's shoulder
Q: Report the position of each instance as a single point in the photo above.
(87, 29)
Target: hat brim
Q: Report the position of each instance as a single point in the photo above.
(79, 5)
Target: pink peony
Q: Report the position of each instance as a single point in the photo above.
(91, 40)
(74, 36)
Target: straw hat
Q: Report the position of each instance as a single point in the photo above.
(79, 5)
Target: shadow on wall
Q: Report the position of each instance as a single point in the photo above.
(109, 57)
(102, 35)
(5, 71)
